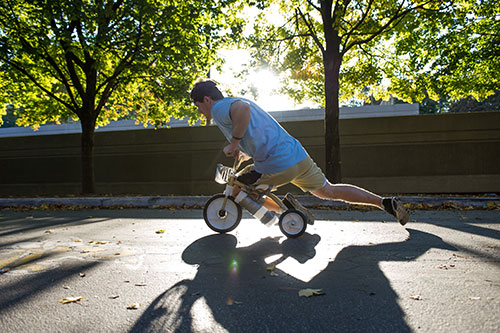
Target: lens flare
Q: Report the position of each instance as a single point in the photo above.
(232, 282)
(234, 266)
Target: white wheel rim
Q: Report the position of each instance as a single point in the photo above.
(292, 223)
(222, 223)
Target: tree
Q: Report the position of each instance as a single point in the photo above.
(448, 55)
(335, 50)
(96, 60)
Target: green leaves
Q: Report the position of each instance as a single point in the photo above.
(108, 59)
(450, 54)
(411, 50)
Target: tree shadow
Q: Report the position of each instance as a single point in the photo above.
(20, 290)
(467, 225)
(234, 288)
(20, 223)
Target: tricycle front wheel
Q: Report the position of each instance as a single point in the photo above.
(222, 220)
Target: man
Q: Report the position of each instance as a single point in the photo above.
(278, 158)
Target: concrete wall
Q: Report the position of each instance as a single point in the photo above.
(452, 153)
(366, 111)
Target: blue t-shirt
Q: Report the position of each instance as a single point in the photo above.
(270, 146)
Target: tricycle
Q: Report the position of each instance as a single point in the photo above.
(223, 212)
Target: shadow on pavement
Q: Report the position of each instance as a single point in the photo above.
(23, 289)
(470, 225)
(232, 289)
(25, 222)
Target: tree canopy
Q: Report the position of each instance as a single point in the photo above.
(62, 58)
(436, 49)
(450, 55)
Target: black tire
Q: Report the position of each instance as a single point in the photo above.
(213, 216)
(292, 223)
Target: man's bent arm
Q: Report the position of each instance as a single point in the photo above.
(240, 117)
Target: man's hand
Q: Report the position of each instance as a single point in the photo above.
(232, 149)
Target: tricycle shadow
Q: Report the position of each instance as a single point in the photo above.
(234, 291)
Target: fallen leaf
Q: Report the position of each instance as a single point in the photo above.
(140, 284)
(113, 297)
(4, 270)
(160, 231)
(230, 301)
(78, 240)
(101, 242)
(416, 297)
(83, 275)
(270, 268)
(310, 292)
(133, 306)
(66, 287)
(70, 300)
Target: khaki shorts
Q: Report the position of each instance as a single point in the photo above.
(306, 175)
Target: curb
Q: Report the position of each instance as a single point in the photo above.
(107, 202)
(428, 202)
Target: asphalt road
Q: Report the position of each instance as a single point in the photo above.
(439, 274)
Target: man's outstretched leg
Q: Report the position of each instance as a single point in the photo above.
(357, 195)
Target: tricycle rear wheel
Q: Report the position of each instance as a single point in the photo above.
(292, 223)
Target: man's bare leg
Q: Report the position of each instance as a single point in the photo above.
(357, 195)
(349, 193)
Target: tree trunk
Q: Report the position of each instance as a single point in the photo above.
(332, 60)
(87, 155)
